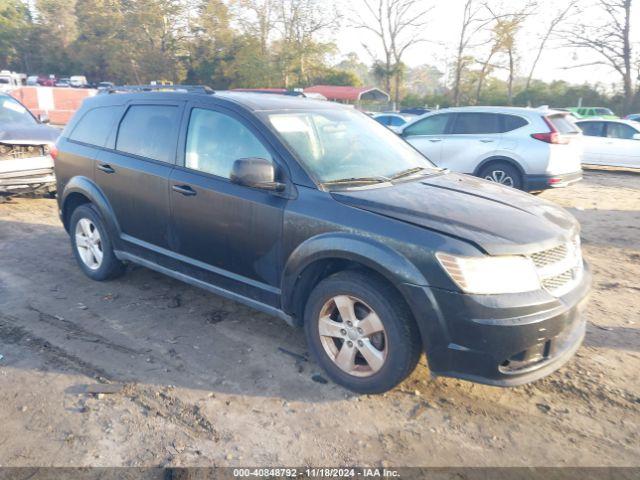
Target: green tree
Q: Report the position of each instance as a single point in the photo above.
(15, 26)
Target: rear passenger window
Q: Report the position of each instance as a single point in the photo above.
(149, 131)
(511, 122)
(476, 123)
(215, 141)
(94, 127)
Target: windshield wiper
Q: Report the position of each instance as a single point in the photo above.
(407, 172)
(340, 181)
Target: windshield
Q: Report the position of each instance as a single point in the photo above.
(12, 112)
(344, 145)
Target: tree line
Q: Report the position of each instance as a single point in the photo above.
(288, 43)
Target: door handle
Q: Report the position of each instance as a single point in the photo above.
(434, 140)
(103, 167)
(185, 190)
(486, 140)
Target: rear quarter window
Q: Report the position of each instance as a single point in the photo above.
(512, 122)
(95, 125)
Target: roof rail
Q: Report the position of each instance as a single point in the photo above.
(160, 88)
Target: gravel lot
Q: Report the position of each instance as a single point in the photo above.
(200, 380)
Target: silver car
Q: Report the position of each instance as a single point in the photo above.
(26, 148)
(613, 143)
(524, 148)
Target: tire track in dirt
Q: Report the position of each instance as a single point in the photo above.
(160, 404)
(78, 332)
(12, 333)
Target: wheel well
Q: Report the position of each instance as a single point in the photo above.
(73, 201)
(318, 271)
(507, 160)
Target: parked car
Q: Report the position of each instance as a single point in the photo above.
(32, 81)
(614, 143)
(392, 120)
(414, 111)
(590, 112)
(634, 117)
(315, 213)
(26, 145)
(9, 80)
(47, 81)
(63, 82)
(105, 86)
(528, 149)
(78, 81)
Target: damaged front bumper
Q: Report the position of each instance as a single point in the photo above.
(502, 340)
(25, 175)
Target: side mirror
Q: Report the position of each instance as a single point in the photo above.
(43, 118)
(256, 173)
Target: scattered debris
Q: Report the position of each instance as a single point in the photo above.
(319, 379)
(601, 327)
(175, 301)
(82, 306)
(543, 407)
(418, 410)
(99, 388)
(293, 354)
(1, 356)
(216, 316)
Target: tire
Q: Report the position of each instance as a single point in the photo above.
(503, 173)
(395, 350)
(85, 219)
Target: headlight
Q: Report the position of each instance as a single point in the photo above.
(491, 275)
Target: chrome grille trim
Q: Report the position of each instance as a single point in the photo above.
(560, 267)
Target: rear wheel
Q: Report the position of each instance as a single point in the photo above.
(92, 246)
(361, 332)
(502, 173)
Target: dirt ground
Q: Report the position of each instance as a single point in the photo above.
(205, 381)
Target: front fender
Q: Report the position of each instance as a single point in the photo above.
(339, 245)
(86, 187)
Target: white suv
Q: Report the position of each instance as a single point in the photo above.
(529, 149)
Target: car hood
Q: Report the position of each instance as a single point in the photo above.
(28, 134)
(497, 219)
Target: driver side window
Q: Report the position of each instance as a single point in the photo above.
(216, 140)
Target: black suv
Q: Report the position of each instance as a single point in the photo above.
(315, 213)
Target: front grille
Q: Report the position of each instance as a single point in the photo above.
(553, 283)
(548, 257)
(13, 152)
(560, 267)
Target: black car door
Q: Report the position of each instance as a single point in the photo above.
(134, 174)
(227, 234)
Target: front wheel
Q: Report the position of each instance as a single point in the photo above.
(361, 332)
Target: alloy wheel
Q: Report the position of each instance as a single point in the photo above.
(500, 176)
(352, 335)
(89, 243)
